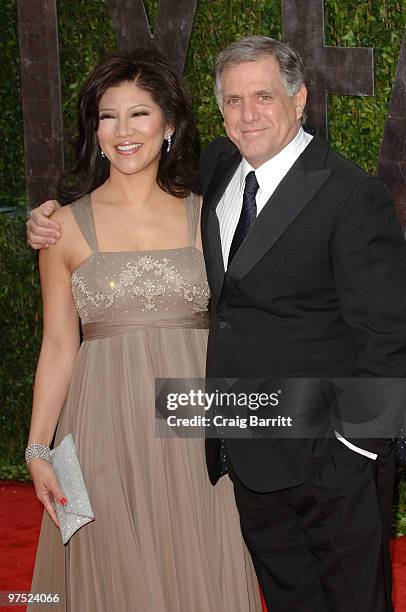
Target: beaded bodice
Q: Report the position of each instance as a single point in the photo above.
(139, 286)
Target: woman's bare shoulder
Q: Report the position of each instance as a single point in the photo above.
(69, 229)
(63, 215)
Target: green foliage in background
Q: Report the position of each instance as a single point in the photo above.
(85, 35)
(11, 119)
(356, 123)
(20, 340)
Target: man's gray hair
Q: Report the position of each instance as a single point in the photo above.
(253, 48)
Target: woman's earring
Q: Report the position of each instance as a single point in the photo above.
(169, 141)
(102, 153)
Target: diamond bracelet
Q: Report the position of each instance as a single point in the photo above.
(37, 451)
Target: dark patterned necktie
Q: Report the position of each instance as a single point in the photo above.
(248, 213)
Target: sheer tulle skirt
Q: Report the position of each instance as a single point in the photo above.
(164, 539)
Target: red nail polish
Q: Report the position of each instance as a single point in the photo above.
(63, 501)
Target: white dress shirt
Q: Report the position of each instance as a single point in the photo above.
(268, 175)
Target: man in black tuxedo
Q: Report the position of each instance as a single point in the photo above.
(307, 267)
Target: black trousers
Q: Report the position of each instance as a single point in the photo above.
(321, 546)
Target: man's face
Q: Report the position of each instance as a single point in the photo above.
(260, 117)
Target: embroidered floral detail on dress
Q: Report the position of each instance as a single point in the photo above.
(162, 279)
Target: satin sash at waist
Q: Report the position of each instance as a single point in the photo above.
(101, 329)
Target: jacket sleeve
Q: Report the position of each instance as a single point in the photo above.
(369, 257)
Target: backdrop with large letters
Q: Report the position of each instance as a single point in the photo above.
(330, 69)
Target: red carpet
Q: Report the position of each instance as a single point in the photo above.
(20, 515)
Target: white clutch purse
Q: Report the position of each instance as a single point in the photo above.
(78, 511)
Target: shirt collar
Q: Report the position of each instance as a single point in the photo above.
(277, 163)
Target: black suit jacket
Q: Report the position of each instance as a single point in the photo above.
(317, 289)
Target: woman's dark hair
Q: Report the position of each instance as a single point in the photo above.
(150, 71)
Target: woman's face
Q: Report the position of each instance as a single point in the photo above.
(131, 129)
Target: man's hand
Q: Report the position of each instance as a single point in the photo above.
(41, 231)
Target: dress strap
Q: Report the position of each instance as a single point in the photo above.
(193, 213)
(83, 213)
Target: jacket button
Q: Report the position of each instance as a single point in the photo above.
(224, 325)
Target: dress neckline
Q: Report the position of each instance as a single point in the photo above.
(91, 215)
(90, 234)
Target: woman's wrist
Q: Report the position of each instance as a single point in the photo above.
(37, 451)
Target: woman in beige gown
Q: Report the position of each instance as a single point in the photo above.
(163, 538)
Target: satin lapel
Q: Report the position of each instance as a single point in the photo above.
(293, 194)
(213, 254)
